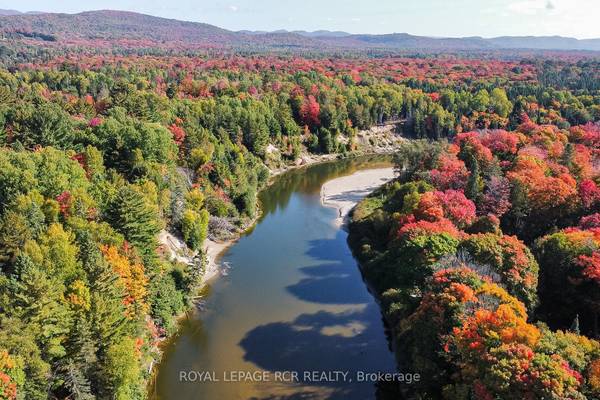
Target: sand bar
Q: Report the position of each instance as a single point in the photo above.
(345, 192)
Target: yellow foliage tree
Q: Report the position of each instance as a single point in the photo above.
(132, 276)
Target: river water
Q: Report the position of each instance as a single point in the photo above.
(291, 318)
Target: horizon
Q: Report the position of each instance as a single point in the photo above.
(573, 19)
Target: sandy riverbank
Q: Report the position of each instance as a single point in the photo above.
(345, 192)
(341, 193)
(178, 251)
(213, 252)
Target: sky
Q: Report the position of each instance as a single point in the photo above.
(449, 18)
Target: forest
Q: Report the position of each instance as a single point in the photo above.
(485, 254)
(101, 152)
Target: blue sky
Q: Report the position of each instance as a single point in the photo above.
(576, 18)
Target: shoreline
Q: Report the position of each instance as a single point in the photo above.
(345, 192)
(379, 140)
(214, 250)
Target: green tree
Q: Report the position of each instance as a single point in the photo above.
(475, 182)
(500, 103)
(131, 215)
(122, 372)
(481, 101)
(194, 226)
(46, 125)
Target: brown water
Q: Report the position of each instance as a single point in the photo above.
(292, 300)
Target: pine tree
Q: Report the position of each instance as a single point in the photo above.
(171, 91)
(46, 125)
(107, 312)
(77, 371)
(14, 232)
(40, 301)
(568, 155)
(474, 183)
(575, 325)
(130, 214)
(520, 208)
(107, 323)
(75, 381)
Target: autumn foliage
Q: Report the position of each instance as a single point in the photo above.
(108, 145)
(132, 277)
(8, 385)
(490, 272)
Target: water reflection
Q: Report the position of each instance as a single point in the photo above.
(293, 300)
(334, 281)
(309, 180)
(280, 345)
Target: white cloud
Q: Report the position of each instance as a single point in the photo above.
(234, 8)
(355, 19)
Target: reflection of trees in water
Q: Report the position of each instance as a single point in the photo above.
(181, 349)
(336, 279)
(305, 345)
(309, 180)
(347, 340)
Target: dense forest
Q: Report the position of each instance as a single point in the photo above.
(101, 152)
(485, 254)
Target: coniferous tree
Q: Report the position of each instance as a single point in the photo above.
(107, 312)
(132, 216)
(38, 300)
(575, 325)
(473, 189)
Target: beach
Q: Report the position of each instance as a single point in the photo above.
(345, 192)
(341, 193)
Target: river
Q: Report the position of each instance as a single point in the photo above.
(291, 299)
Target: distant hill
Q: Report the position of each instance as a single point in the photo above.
(10, 12)
(545, 42)
(124, 27)
(329, 34)
(15, 12)
(107, 27)
(314, 34)
(113, 25)
(406, 41)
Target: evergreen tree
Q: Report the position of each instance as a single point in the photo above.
(46, 125)
(575, 325)
(39, 301)
(76, 382)
(132, 216)
(568, 155)
(473, 189)
(77, 370)
(107, 313)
